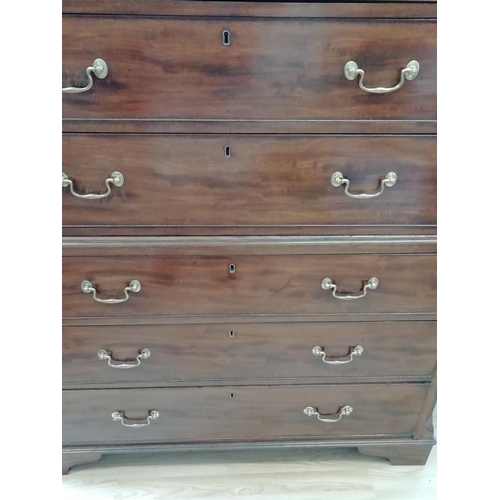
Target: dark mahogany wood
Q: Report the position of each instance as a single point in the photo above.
(240, 413)
(263, 284)
(224, 353)
(425, 424)
(352, 9)
(313, 231)
(232, 319)
(71, 459)
(274, 69)
(394, 127)
(174, 97)
(401, 454)
(241, 445)
(266, 181)
(248, 245)
(282, 444)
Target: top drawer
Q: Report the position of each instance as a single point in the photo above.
(272, 69)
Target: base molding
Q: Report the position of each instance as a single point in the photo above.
(398, 451)
(71, 459)
(416, 453)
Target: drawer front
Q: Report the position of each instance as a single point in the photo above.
(239, 413)
(261, 284)
(184, 353)
(277, 180)
(272, 70)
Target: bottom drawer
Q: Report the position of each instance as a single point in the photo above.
(239, 413)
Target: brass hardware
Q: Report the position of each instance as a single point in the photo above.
(226, 38)
(100, 70)
(116, 179)
(328, 284)
(353, 351)
(119, 416)
(134, 286)
(344, 411)
(104, 354)
(351, 71)
(338, 179)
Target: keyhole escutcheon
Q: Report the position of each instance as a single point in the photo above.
(226, 38)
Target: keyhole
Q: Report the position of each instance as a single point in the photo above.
(226, 38)
(231, 395)
(231, 333)
(227, 151)
(232, 268)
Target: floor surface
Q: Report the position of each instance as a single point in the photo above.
(334, 474)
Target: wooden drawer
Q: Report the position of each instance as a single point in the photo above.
(266, 181)
(274, 69)
(240, 413)
(261, 284)
(219, 353)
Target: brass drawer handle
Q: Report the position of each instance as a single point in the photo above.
(119, 416)
(328, 284)
(353, 351)
(134, 286)
(338, 179)
(104, 354)
(344, 411)
(116, 179)
(99, 68)
(351, 71)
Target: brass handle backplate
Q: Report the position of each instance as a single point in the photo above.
(310, 411)
(134, 286)
(351, 71)
(100, 70)
(119, 416)
(116, 179)
(353, 351)
(105, 355)
(329, 284)
(338, 179)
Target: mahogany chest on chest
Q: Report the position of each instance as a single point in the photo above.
(249, 226)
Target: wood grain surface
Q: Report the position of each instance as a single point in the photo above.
(248, 245)
(264, 352)
(232, 363)
(306, 9)
(266, 181)
(260, 285)
(274, 69)
(151, 126)
(239, 413)
(115, 232)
